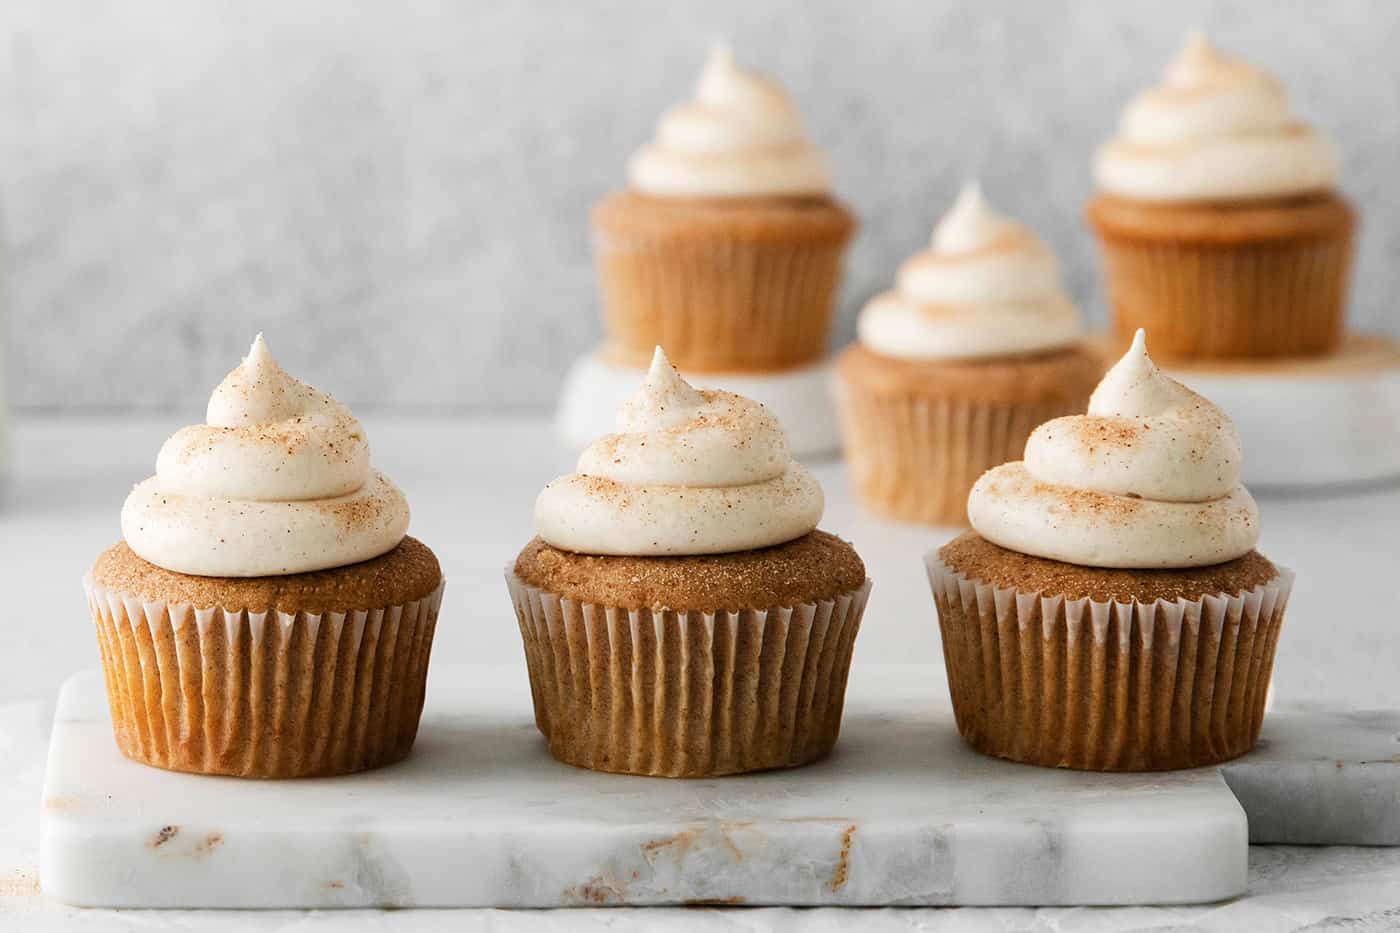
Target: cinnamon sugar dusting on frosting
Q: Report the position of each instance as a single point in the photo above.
(689, 471)
(278, 480)
(1149, 478)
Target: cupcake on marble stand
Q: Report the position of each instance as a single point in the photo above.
(682, 616)
(266, 614)
(726, 248)
(1109, 611)
(1224, 234)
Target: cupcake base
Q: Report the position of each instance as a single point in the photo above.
(1058, 666)
(919, 433)
(266, 690)
(689, 692)
(1227, 280)
(722, 284)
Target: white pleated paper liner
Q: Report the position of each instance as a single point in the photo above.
(1107, 686)
(690, 693)
(263, 694)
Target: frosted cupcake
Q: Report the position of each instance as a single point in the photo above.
(977, 345)
(726, 247)
(681, 614)
(265, 615)
(1109, 612)
(1217, 211)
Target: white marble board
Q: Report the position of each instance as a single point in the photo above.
(480, 815)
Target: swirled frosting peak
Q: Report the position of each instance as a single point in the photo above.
(1149, 478)
(987, 286)
(690, 471)
(1216, 128)
(740, 136)
(277, 481)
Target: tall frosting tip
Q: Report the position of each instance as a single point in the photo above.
(719, 68)
(970, 223)
(1201, 61)
(1195, 43)
(969, 197)
(661, 367)
(663, 387)
(1139, 347)
(258, 352)
(721, 52)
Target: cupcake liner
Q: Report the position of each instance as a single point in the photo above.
(1107, 686)
(719, 298)
(686, 694)
(915, 457)
(1205, 299)
(262, 694)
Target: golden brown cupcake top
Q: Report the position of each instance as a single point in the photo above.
(980, 560)
(814, 567)
(408, 572)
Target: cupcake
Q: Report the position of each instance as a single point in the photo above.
(1109, 611)
(977, 345)
(726, 247)
(265, 615)
(681, 614)
(1221, 228)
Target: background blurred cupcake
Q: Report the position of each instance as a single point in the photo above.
(265, 615)
(681, 614)
(1221, 229)
(727, 246)
(1109, 612)
(976, 346)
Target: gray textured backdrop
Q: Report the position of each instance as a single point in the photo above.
(397, 191)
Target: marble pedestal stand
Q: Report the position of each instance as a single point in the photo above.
(1311, 422)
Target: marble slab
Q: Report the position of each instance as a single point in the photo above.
(901, 813)
(1322, 778)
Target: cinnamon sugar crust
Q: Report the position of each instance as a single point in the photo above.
(814, 567)
(979, 559)
(1069, 374)
(1220, 222)
(407, 573)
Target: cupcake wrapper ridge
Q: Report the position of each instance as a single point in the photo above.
(916, 457)
(686, 694)
(1229, 300)
(1107, 686)
(263, 694)
(717, 300)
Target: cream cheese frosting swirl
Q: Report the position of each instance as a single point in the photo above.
(1216, 128)
(690, 471)
(277, 481)
(741, 136)
(1149, 478)
(987, 286)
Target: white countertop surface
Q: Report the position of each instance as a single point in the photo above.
(472, 481)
